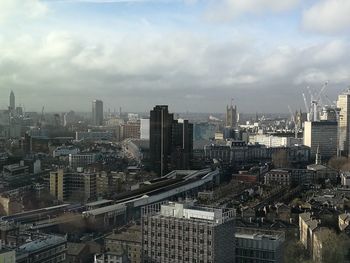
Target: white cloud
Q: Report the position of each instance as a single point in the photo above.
(230, 9)
(19, 9)
(327, 16)
(171, 67)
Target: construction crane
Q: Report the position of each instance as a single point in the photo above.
(315, 102)
(306, 106)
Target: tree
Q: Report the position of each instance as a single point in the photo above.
(280, 159)
(294, 252)
(339, 163)
(334, 247)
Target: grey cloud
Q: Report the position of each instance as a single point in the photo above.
(327, 16)
(62, 71)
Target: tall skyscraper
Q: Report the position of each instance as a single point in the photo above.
(231, 117)
(160, 139)
(182, 144)
(343, 105)
(171, 141)
(12, 102)
(175, 232)
(97, 112)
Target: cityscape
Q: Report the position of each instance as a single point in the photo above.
(172, 162)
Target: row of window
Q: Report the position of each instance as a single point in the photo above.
(194, 240)
(194, 230)
(179, 258)
(173, 246)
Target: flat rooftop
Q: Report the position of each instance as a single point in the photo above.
(42, 243)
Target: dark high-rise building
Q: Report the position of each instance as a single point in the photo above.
(171, 141)
(231, 117)
(97, 112)
(160, 138)
(182, 144)
(12, 102)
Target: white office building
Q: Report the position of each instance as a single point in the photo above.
(144, 129)
(322, 135)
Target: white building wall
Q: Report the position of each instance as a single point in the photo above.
(144, 129)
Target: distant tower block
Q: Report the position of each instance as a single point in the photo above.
(231, 116)
(97, 112)
(12, 101)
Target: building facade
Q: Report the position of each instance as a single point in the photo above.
(144, 129)
(81, 160)
(231, 117)
(258, 245)
(343, 105)
(68, 186)
(97, 112)
(160, 139)
(322, 135)
(127, 242)
(171, 141)
(48, 248)
(174, 232)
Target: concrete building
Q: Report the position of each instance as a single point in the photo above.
(73, 186)
(322, 135)
(130, 130)
(344, 222)
(10, 205)
(279, 177)
(322, 173)
(160, 139)
(78, 253)
(237, 152)
(81, 160)
(109, 183)
(328, 114)
(97, 112)
(171, 141)
(258, 245)
(307, 228)
(93, 135)
(345, 179)
(144, 129)
(110, 257)
(343, 104)
(7, 255)
(64, 151)
(47, 248)
(14, 171)
(181, 145)
(274, 141)
(231, 117)
(106, 217)
(175, 232)
(127, 242)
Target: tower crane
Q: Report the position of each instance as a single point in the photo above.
(306, 107)
(315, 101)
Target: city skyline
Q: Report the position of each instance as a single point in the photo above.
(189, 54)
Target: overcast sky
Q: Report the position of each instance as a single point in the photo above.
(194, 55)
